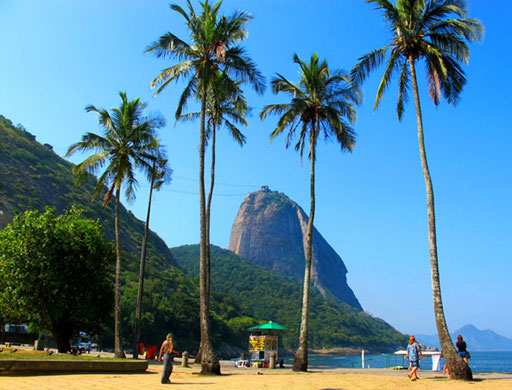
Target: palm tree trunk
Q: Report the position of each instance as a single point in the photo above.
(208, 257)
(118, 351)
(458, 368)
(142, 267)
(208, 216)
(209, 361)
(300, 362)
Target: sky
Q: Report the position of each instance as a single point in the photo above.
(59, 56)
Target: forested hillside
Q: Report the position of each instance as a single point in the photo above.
(272, 298)
(32, 176)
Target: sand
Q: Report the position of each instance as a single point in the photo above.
(243, 378)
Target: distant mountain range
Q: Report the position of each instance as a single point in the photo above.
(476, 339)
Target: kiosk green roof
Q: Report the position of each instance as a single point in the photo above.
(268, 326)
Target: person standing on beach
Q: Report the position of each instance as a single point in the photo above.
(166, 350)
(462, 348)
(413, 355)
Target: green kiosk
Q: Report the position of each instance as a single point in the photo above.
(263, 341)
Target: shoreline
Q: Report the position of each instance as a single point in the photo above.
(343, 351)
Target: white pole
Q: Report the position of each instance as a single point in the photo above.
(362, 358)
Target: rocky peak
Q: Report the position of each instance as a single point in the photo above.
(270, 230)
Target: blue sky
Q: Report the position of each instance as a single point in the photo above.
(59, 56)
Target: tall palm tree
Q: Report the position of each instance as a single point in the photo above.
(424, 30)
(213, 48)
(159, 175)
(127, 144)
(322, 103)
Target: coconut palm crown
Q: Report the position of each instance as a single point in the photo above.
(436, 32)
(322, 103)
(423, 30)
(214, 47)
(128, 143)
(226, 106)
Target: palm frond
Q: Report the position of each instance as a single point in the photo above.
(367, 64)
(173, 73)
(404, 82)
(452, 85)
(281, 84)
(388, 74)
(470, 29)
(322, 100)
(451, 44)
(169, 45)
(185, 96)
(274, 109)
(243, 68)
(235, 133)
(390, 12)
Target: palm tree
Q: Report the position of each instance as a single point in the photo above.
(323, 102)
(423, 30)
(160, 174)
(127, 144)
(213, 49)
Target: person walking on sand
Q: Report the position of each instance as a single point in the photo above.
(462, 348)
(413, 355)
(166, 349)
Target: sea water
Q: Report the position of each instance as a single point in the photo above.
(479, 362)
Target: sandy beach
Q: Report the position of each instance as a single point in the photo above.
(237, 378)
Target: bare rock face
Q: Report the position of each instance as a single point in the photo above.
(270, 230)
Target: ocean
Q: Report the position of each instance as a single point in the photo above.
(479, 362)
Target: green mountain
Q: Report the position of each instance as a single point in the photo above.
(272, 298)
(32, 176)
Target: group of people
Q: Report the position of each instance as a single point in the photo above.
(414, 355)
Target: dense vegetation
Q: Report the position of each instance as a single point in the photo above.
(271, 298)
(55, 272)
(32, 176)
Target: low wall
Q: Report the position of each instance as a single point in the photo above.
(52, 367)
